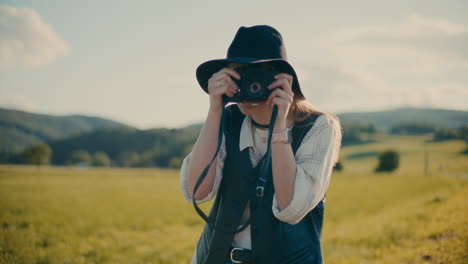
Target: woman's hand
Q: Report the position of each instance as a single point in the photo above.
(283, 98)
(219, 84)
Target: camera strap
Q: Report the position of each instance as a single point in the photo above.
(261, 180)
(265, 165)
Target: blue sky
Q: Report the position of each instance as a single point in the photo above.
(135, 61)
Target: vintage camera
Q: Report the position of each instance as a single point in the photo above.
(254, 82)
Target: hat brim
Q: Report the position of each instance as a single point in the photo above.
(207, 69)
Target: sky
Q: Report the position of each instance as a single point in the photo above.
(135, 61)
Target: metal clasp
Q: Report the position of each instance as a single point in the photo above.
(232, 254)
(260, 191)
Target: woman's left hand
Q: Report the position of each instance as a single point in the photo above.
(283, 98)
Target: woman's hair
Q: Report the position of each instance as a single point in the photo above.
(301, 109)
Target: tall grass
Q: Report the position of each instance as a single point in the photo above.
(71, 215)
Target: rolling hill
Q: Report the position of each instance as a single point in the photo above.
(19, 129)
(384, 120)
(163, 146)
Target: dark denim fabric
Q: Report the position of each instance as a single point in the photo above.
(273, 241)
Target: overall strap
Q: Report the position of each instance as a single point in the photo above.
(300, 130)
(268, 232)
(231, 121)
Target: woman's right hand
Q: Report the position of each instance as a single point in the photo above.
(219, 84)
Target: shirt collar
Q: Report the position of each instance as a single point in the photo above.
(246, 136)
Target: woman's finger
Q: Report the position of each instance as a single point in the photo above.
(228, 92)
(283, 83)
(287, 76)
(222, 78)
(229, 80)
(280, 102)
(233, 89)
(278, 93)
(230, 72)
(226, 72)
(225, 90)
(220, 87)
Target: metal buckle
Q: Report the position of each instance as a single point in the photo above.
(232, 254)
(260, 190)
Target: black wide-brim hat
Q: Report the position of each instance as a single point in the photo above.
(252, 45)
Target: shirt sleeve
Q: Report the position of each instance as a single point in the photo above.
(315, 159)
(219, 174)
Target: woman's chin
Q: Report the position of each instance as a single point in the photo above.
(249, 107)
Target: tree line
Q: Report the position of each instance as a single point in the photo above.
(167, 147)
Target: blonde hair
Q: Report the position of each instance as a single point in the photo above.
(301, 109)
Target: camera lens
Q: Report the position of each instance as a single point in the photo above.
(255, 88)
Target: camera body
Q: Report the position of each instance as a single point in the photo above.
(253, 84)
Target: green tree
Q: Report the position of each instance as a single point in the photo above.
(463, 134)
(351, 136)
(175, 162)
(444, 134)
(415, 128)
(161, 156)
(371, 128)
(128, 159)
(80, 157)
(101, 159)
(388, 161)
(338, 166)
(188, 148)
(39, 154)
(146, 159)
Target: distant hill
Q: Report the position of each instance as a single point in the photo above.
(19, 129)
(129, 146)
(384, 120)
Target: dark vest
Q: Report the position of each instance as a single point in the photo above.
(273, 241)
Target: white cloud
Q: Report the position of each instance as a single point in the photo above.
(432, 26)
(447, 95)
(26, 39)
(413, 26)
(418, 44)
(410, 62)
(17, 102)
(339, 89)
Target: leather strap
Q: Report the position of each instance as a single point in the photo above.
(239, 255)
(261, 180)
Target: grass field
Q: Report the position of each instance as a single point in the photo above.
(72, 215)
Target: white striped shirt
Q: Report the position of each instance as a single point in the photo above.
(315, 158)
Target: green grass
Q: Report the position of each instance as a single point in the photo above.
(70, 215)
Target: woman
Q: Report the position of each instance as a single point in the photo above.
(266, 210)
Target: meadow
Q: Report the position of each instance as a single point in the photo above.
(52, 215)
